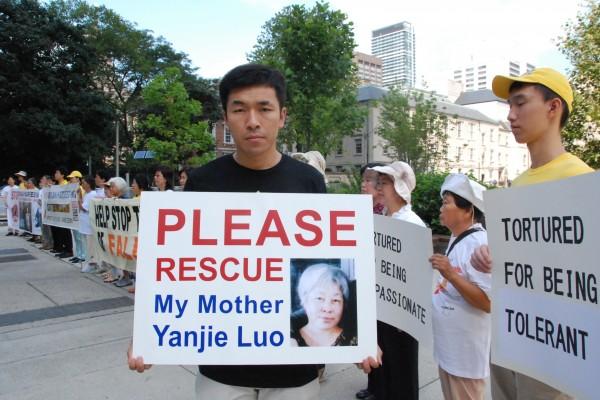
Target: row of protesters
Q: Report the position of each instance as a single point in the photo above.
(462, 335)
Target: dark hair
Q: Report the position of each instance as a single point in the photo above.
(187, 171)
(63, 170)
(548, 94)
(466, 205)
(141, 181)
(90, 181)
(167, 173)
(370, 165)
(252, 75)
(103, 174)
(33, 181)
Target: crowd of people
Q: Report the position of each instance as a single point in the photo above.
(253, 100)
(77, 245)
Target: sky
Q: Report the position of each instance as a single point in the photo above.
(218, 34)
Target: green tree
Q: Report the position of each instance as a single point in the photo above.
(49, 113)
(129, 58)
(414, 130)
(313, 47)
(170, 130)
(581, 45)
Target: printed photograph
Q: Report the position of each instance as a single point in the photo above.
(323, 298)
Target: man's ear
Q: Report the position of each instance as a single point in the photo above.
(282, 117)
(555, 105)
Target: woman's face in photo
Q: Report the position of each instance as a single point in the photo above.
(324, 306)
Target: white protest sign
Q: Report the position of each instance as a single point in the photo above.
(404, 276)
(115, 226)
(62, 206)
(544, 240)
(217, 279)
(30, 218)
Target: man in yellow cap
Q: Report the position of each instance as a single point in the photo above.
(540, 103)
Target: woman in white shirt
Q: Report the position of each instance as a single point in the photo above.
(461, 304)
(85, 226)
(398, 376)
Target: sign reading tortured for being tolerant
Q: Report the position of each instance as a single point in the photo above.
(240, 278)
(545, 314)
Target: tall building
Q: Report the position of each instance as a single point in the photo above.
(395, 46)
(369, 69)
(479, 75)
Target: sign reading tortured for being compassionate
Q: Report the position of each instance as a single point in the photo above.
(234, 278)
(404, 276)
(545, 313)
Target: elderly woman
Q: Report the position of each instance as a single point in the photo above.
(461, 306)
(398, 377)
(324, 293)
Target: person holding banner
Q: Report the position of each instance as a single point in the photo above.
(63, 245)
(461, 304)
(324, 293)
(253, 99)
(8, 202)
(368, 185)
(163, 177)
(78, 239)
(85, 227)
(22, 177)
(45, 183)
(540, 104)
(398, 377)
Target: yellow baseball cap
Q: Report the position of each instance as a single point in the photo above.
(548, 77)
(75, 174)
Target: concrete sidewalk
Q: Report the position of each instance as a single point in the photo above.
(64, 335)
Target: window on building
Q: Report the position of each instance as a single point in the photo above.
(471, 154)
(458, 128)
(458, 153)
(358, 148)
(340, 150)
(227, 138)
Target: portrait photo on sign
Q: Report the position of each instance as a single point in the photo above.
(323, 302)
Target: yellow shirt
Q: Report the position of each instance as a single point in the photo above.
(563, 166)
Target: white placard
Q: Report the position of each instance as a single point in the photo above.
(404, 276)
(30, 217)
(61, 206)
(115, 226)
(217, 273)
(544, 240)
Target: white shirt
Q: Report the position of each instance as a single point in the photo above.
(461, 332)
(85, 226)
(407, 214)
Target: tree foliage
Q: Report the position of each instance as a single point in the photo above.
(581, 45)
(128, 57)
(415, 132)
(49, 113)
(170, 130)
(313, 47)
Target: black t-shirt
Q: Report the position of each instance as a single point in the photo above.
(289, 176)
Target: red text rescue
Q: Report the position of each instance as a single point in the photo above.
(306, 231)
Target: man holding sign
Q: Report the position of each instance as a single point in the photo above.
(253, 98)
(540, 103)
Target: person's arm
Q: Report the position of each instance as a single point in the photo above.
(471, 292)
(481, 259)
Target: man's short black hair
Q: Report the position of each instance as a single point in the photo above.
(252, 75)
(103, 174)
(63, 170)
(548, 94)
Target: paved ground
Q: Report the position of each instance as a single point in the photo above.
(63, 335)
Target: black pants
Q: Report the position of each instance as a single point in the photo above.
(398, 376)
(62, 239)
